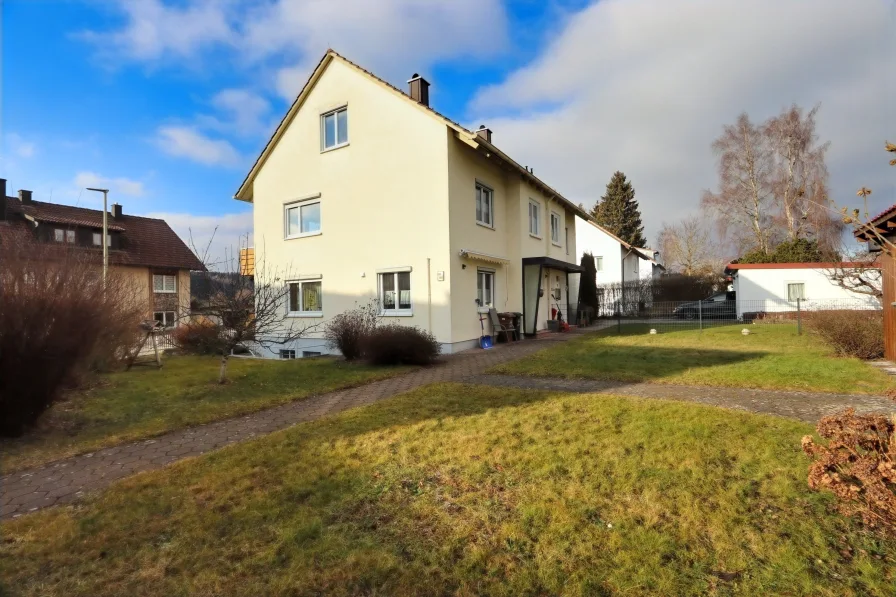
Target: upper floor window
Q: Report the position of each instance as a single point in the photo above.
(64, 236)
(599, 263)
(555, 228)
(534, 219)
(306, 298)
(164, 283)
(302, 219)
(395, 293)
(485, 205)
(98, 239)
(334, 129)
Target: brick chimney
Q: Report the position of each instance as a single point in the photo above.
(116, 211)
(24, 196)
(484, 133)
(419, 89)
(2, 199)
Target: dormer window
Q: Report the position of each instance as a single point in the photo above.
(98, 239)
(61, 235)
(334, 129)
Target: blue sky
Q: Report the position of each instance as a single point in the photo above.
(168, 102)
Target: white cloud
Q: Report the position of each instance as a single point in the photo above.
(239, 111)
(17, 145)
(124, 186)
(188, 142)
(644, 86)
(396, 37)
(155, 29)
(217, 239)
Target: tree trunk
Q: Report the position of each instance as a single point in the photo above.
(222, 375)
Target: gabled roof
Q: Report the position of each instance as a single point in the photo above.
(244, 193)
(801, 265)
(146, 242)
(639, 251)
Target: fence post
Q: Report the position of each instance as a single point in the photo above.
(700, 313)
(618, 319)
(799, 317)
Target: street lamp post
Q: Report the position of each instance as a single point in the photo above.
(105, 240)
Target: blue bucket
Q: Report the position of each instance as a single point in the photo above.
(485, 342)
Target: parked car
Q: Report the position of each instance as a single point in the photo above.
(721, 305)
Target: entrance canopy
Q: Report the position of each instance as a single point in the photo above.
(550, 262)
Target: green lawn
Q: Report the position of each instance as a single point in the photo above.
(146, 401)
(771, 357)
(466, 490)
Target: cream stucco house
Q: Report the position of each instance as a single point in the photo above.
(365, 192)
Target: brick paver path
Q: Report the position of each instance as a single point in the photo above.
(805, 406)
(66, 480)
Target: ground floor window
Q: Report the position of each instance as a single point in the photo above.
(796, 290)
(287, 353)
(395, 293)
(310, 353)
(305, 298)
(166, 319)
(485, 287)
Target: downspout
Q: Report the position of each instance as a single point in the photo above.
(537, 300)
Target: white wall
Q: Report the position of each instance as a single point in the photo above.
(765, 290)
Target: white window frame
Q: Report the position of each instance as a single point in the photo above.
(299, 204)
(323, 131)
(598, 263)
(70, 237)
(555, 238)
(59, 235)
(789, 283)
(97, 236)
(535, 209)
(380, 293)
(301, 312)
(164, 287)
(480, 190)
(481, 274)
(166, 323)
(287, 353)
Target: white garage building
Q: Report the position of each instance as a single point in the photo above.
(775, 287)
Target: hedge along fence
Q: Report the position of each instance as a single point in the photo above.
(58, 320)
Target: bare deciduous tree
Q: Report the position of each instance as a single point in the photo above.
(688, 247)
(249, 310)
(799, 178)
(773, 183)
(742, 205)
(860, 273)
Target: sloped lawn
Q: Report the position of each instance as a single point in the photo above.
(468, 490)
(770, 357)
(146, 401)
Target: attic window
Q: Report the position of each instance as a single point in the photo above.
(334, 129)
(97, 239)
(66, 236)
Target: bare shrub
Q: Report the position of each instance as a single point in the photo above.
(400, 345)
(858, 465)
(348, 331)
(57, 320)
(858, 333)
(198, 337)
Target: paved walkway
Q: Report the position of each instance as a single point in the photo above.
(66, 480)
(805, 406)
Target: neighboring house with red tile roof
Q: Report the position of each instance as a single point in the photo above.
(146, 250)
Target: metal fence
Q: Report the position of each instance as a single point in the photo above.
(709, 313)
